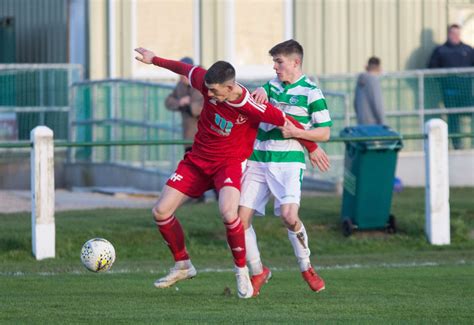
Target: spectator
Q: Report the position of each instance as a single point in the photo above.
(457, 90)
(188, 101)
(368, 101)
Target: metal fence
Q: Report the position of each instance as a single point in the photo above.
(124, 110)
(35, 94)
(413, 97)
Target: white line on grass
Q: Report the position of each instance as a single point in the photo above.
(274, 269)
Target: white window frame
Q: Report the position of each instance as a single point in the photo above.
(111, 12)
(147, 72)
(249, 72)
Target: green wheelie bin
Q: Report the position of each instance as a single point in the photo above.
(369, 172)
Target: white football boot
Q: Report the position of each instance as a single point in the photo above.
(182, 270)
(244, 285)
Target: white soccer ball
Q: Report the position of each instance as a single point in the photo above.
(98, 255)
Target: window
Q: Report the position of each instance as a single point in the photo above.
(258, 26)
(157, 28)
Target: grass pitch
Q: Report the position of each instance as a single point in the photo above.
(371, 277)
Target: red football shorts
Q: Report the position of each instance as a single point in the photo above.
(196, 175)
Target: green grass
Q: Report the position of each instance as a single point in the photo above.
(371, 277)
(356, 295)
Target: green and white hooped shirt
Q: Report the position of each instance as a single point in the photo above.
(302, 100)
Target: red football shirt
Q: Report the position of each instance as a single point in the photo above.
(226, 130)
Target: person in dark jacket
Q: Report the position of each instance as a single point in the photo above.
(368, 102)
(457, 90)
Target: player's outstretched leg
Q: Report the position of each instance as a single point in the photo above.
(173, 234)
(260, 274)
(299, 241)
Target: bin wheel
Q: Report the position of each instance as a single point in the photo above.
(347, 227)
(392, 225)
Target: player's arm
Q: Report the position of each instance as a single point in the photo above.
(317, 156)
(195, 74)
(274, 116)
(308, 144)
(320, 120)
(320, 134)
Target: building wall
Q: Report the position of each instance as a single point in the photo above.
(338, 35)
(347, 32)
(41, 29)
(98, 47)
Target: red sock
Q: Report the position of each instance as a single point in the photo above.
(236, 240)
(172, 233)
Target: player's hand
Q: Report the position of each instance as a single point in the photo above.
(146, 55)
(320, 159)
(260, 96)
(289, 130)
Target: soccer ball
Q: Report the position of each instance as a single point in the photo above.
(98, 255)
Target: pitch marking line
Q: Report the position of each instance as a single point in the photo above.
(220, 270)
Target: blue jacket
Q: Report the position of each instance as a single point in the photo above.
(449, 55)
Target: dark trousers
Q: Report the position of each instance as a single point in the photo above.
(457, 93)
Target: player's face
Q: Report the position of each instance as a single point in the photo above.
(286, 67)
(219, 92)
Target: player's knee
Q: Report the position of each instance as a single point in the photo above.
(228, 213)
(159, 212)
(291, 221)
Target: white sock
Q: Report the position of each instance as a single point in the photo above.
(241, 270)
(299, 241)
(183, 265)
(253, 255)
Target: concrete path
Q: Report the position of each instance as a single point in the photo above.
(20, 201)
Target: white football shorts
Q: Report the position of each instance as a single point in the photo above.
(259, 182)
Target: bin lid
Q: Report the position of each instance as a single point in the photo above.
(366, 131)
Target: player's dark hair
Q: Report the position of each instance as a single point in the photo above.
(219, 72)
(287, 48)
(373, 61)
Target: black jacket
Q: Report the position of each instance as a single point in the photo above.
(449, 55)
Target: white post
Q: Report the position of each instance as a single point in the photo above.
(437, 226)
(42, 193)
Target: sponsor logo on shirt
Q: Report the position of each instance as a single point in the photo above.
(219, 131)
(224, 126)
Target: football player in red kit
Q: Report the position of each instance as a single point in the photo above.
(227, 129)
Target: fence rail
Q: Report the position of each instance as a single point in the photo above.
(35, 94)
(95, 120)
(62, 144)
